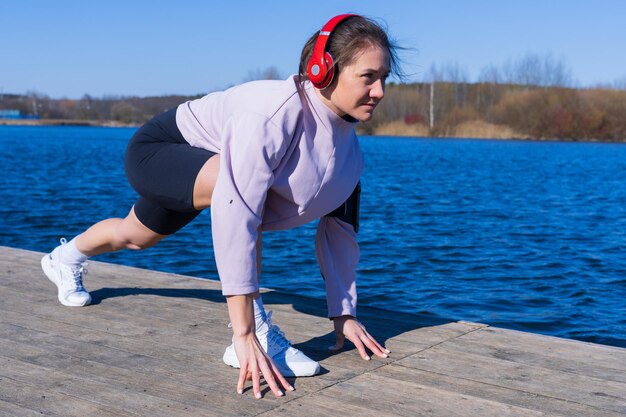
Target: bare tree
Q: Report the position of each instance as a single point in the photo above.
(532, 69)
(490, 74)
(269, 73)
(619, 84)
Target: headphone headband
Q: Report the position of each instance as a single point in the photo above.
(320, 68)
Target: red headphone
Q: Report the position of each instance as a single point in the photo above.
(321, 68)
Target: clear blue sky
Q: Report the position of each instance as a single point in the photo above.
(67, 48)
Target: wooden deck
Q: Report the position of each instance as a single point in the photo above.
(151, 345)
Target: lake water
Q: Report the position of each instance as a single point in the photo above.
(522, 235)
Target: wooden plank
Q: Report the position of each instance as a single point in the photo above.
(201, 341)
(49, 403)
(519, 398)
(320, 405)
(596, 392)
(12, 410)
(197, 375)
(587, 358)
(379, 396)
(148, 398)
(152, 345)
(121, 322)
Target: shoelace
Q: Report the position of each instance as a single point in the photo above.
(275, 335)
(77, 271)
(78, 274)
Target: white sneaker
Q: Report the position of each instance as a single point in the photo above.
(290, 361)
(67, 278)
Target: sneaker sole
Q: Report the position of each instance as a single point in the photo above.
(51, 274)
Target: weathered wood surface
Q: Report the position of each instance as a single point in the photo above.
(151, 345)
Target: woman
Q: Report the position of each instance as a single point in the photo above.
(265, 155)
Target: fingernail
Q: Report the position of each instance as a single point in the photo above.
(367, 358)
(258, 395)
(291, 388)
(387, 351)
(385, 355)
(239, 390)
(281, 393)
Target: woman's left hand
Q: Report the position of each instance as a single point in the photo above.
(348, 327)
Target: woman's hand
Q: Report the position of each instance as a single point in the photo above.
(252, 358)
(349, 327)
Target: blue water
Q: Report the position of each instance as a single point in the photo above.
(523, 235)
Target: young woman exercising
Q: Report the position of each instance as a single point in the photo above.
(265, 155)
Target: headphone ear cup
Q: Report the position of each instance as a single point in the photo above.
(321, 67)
(330, 69)
(317, 71)
(329, 72)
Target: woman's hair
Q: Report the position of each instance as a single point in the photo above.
(349, 38)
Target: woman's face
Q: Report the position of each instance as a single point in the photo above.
(360, 86)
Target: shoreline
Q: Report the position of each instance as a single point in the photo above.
(65, 122)
(115, 124)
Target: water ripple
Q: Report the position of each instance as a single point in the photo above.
(523, 235)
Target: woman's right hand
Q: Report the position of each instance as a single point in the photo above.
(252, 358)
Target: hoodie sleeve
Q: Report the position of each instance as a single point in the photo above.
(252, 147)
(337, 253)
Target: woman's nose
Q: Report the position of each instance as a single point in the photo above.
(378, 90)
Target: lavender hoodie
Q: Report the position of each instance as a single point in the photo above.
(286, 159)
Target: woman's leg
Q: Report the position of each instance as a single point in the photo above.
(129, 233)
(114, 234)
(205, 183)
(64, 266)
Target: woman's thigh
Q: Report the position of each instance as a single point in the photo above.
(163, 169)
(205, 183)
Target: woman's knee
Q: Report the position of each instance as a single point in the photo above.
(138, 245)
(132, 234)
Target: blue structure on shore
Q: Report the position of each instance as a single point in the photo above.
(16, 114)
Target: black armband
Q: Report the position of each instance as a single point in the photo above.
(349, 210)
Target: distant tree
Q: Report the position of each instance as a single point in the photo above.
(447, 89)
(619, 84)
(400, 101)
(126, 113)
(490, 74)
(269, 73)
(532, 69)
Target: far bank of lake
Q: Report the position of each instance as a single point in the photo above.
(469, 130)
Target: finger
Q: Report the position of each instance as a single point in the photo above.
(256, 382)
(374, 346)
(379, 350)
(241, 382)
(270, 379)
(381, 347)
(283, 381)
(360, 347)
(338, 343)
